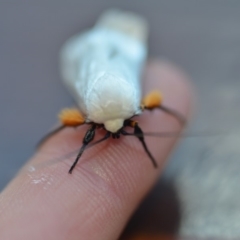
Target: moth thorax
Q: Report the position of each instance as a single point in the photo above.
(113, 125)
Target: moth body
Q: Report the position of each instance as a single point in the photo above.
(102, 68)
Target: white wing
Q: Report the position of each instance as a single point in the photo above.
(102, 67)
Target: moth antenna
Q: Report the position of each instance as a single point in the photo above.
(181, 119)
(173, 134)
(154, 99)
(49, 135)
(69, 117)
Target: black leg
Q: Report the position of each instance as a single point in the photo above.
(108, 134)
(140, 135)
(89, 136)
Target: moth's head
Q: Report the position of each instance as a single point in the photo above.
(114, 125)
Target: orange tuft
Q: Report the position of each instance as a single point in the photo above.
(71, 117)
(133, 123)
(152, 100)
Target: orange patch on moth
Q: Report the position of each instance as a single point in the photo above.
(71, 117)
(152, 100)
(133, 123)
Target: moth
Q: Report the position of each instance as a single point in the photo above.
(102, 68)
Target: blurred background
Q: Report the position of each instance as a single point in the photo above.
(199, 192)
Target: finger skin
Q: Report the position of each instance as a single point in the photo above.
(107, 184)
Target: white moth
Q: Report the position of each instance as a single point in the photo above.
(102, 69)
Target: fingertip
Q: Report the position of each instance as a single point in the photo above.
(111, 178)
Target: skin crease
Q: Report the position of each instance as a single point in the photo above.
(107, 184)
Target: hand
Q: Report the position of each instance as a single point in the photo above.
(107, 185)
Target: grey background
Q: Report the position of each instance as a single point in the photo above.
(199, 192)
